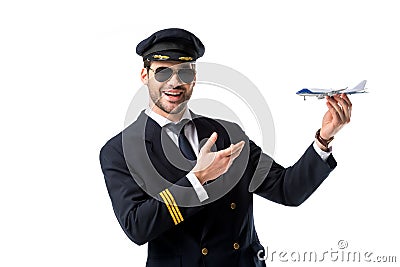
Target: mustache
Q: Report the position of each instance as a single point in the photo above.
(179, 87)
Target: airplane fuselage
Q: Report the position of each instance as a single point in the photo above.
(321, 93)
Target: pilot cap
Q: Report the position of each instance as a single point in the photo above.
(171, 44)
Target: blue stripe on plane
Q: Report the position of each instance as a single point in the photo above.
(306, 91)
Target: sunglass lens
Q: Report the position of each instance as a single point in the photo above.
(162, 74)
(186, 75)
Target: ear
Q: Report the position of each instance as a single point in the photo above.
(194, 81)
(144, 76)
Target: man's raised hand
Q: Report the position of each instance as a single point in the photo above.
(211, 165)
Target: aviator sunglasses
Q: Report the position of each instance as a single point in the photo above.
(163, 74)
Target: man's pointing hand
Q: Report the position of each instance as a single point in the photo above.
(211, 165)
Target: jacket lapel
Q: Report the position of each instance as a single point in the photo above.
(204, 130)
(164, 153)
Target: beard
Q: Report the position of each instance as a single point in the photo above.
(171, 107)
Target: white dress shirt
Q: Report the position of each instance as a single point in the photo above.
(191, 134)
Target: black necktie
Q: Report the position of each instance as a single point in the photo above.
(185, 146)
(183, 142)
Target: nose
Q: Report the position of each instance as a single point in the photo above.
(174, 81)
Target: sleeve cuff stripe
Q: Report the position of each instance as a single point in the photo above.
(173, 208)
(169, 207)
(174, 204)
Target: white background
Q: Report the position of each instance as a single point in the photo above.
(68, 71)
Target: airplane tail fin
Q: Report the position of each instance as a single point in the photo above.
(360, 86)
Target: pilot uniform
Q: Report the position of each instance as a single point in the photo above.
(150, 192)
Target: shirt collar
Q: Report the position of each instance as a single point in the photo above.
(162, 121)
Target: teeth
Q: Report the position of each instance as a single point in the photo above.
(173, 94)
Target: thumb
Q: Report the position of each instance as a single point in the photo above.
(210, 142)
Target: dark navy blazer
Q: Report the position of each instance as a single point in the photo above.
(150, 206)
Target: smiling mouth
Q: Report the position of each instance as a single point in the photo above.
(173, 93)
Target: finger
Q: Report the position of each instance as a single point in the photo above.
(233, 156)
(334, 103)
(345, 107)
(333, 112)
(346, 98)
(337, 99)
(227, 152)
(228, 161)
(210, 142)
(237, 148)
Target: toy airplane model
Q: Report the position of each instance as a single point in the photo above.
(321, 93)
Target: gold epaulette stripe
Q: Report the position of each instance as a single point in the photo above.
(169, 207)
(174, 204)
(173, 208)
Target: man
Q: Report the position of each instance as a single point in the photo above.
(182, 182)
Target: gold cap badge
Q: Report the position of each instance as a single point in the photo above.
(160, 57)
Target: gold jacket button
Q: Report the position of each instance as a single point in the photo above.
(233, 205)
(236, 246)
(204, 251)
